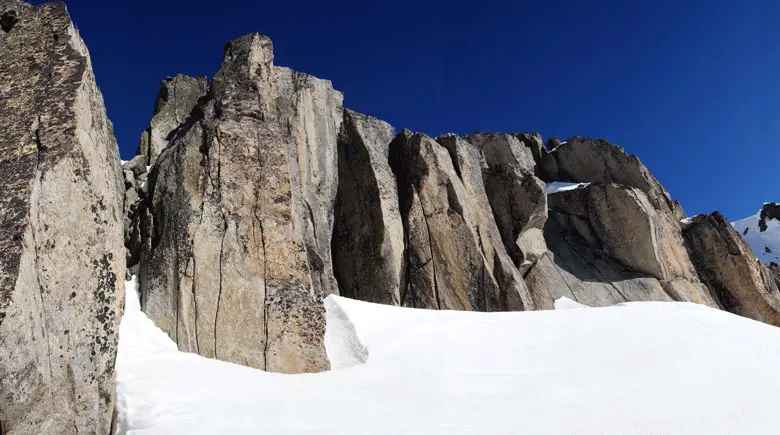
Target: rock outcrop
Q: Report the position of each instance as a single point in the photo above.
(61, 254)
(177, 97)
(769, 211)
(454, 255)
(253, 198)
(517, 197)
(368, 237)
(618, 225)
(741, 283)
(586, 160)
(238, 222)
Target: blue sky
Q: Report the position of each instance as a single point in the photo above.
(691, 87)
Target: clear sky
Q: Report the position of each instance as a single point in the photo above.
(691, 87)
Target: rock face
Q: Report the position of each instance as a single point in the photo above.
(265, 195)
(61, 254)
(517, 197)
(728, 266)
(177, 97)
(585, 160)
(453, 252)
(622, 240)
(237, 226)
(368, 237)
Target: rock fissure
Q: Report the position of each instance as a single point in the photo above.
(433, 259)
(219, 292)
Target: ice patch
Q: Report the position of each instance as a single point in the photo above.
(559, 186)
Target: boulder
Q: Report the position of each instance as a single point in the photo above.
(368, 236)
(61, 254)
(238, 222)
(177, 97)
(740, 283)
(454, 260)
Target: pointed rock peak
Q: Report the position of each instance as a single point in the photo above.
(177, 88)
(175, 101)
(247, 56)
(534, 142)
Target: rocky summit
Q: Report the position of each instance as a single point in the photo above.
(256, 195)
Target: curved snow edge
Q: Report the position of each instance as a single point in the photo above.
(342, 344)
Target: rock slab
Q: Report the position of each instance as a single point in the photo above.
(61, 233)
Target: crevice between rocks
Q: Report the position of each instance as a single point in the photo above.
(265, 295)
(219, 294)
(34, 194)
(433, 260)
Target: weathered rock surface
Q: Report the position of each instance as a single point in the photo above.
(741, 284)
(238, 222)
(620, 222)
(453, 254)
(61, 255)
(368, 237)
(534, 142)
(585, 160)
(177, 97)
(517, 197)
(578, 270)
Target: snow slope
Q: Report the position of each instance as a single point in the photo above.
(641, 368)
(766, 244)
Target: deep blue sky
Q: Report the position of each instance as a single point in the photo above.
(691, 87)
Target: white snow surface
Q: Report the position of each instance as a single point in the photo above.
(638, 368)
(560, 186)
(766, 244)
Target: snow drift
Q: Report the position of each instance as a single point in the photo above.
(639, 368)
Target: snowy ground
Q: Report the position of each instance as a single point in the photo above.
(641, 368)
(766, 244)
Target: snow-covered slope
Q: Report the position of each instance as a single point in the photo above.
(765, 244)
(642, 368)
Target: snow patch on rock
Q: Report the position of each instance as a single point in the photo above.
(765, 244)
